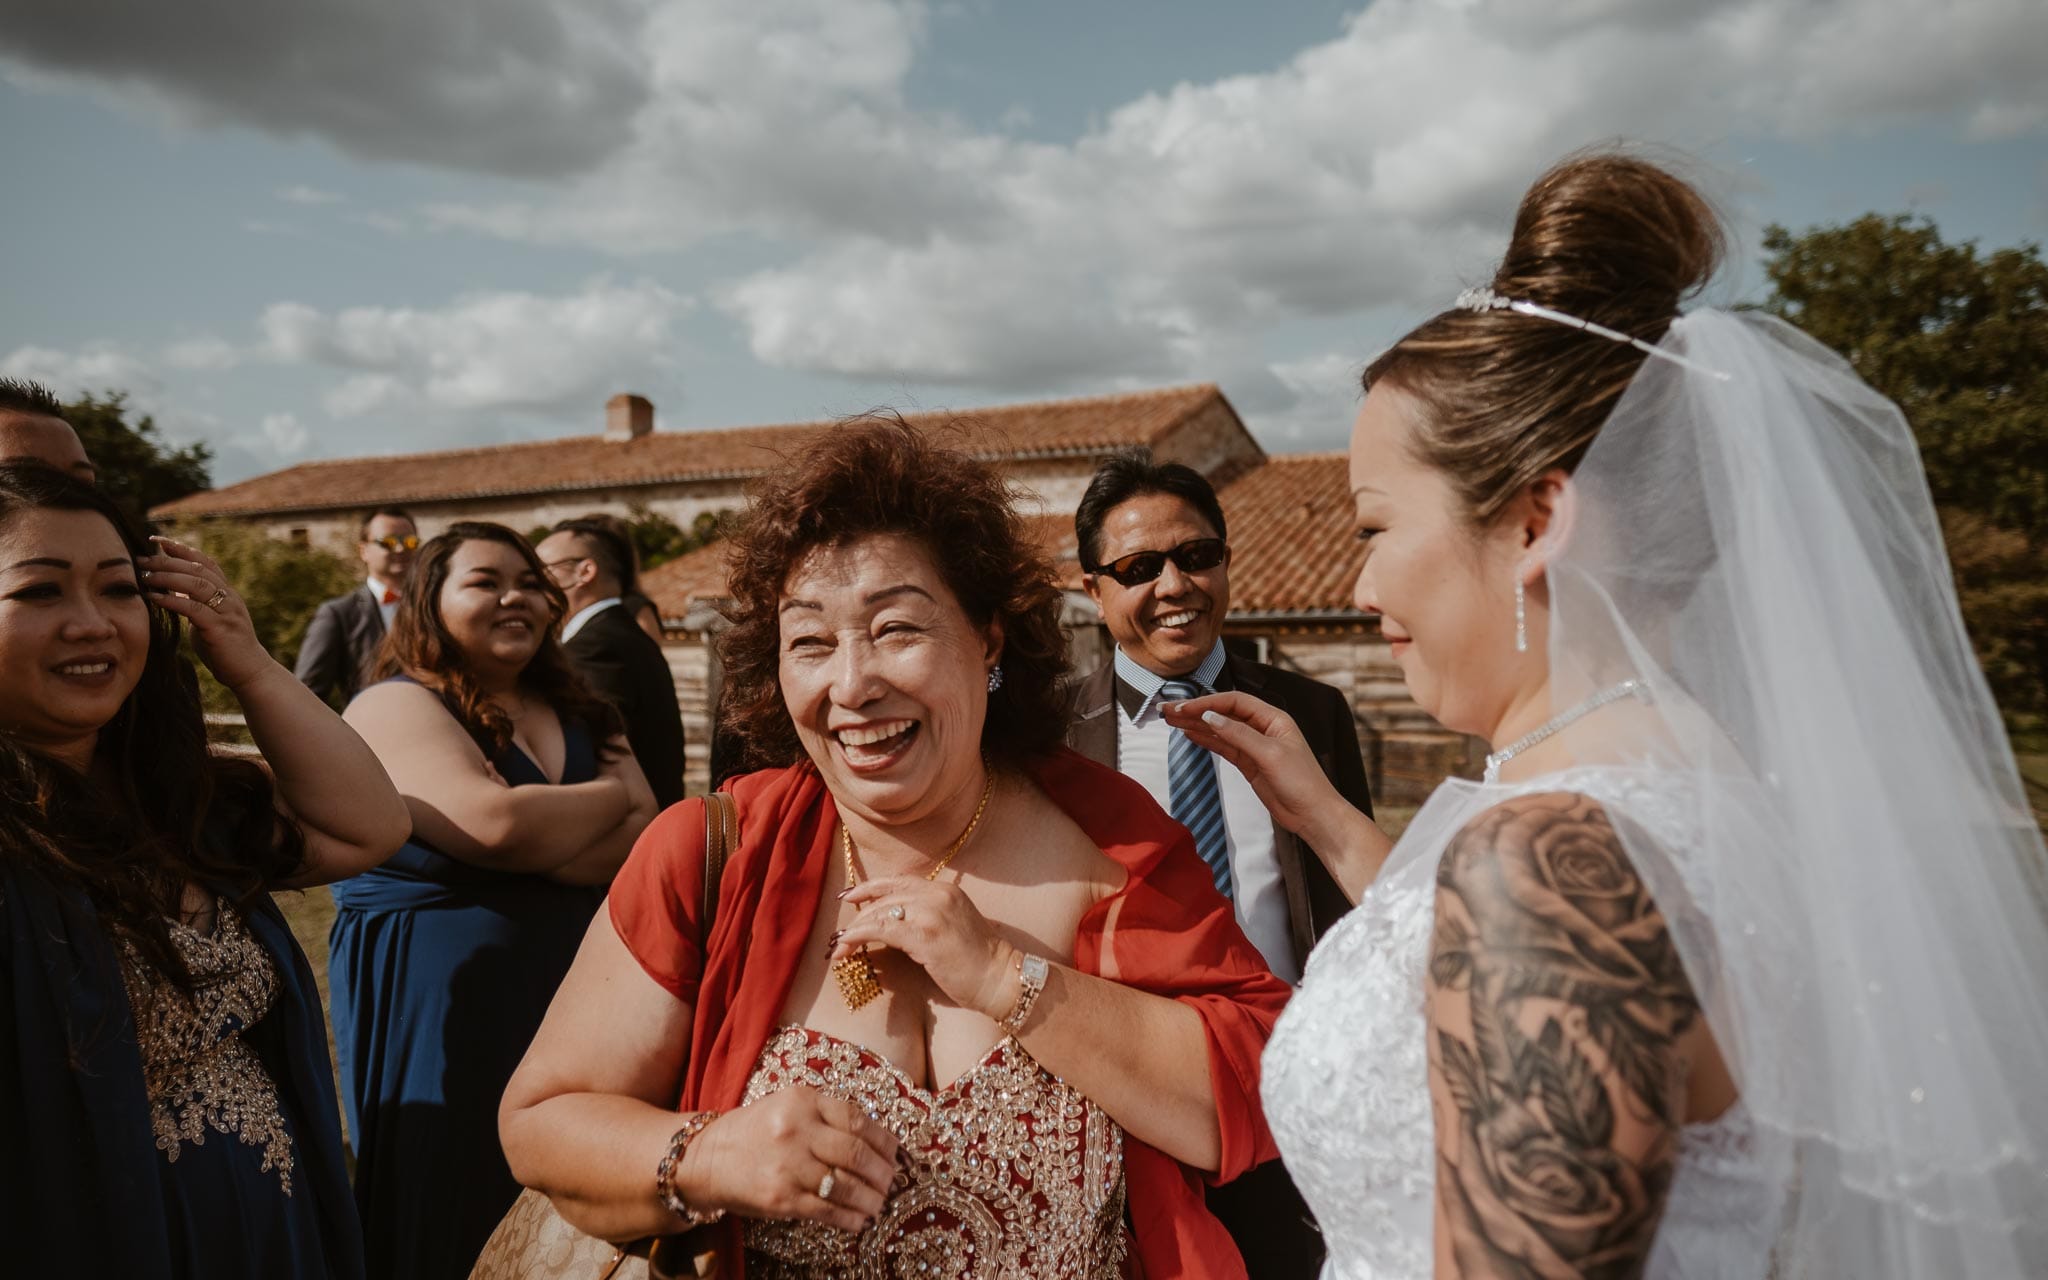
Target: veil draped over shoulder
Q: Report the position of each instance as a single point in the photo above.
(1865, 913)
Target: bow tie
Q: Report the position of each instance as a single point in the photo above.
(390, 596)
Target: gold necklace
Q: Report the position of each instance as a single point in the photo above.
(855, 972)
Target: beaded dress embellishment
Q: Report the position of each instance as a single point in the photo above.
(1007, 1171)
(199, 1072)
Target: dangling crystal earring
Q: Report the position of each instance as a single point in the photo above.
(995, 677)
(1521, 620)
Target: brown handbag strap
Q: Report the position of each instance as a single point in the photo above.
(721, 837)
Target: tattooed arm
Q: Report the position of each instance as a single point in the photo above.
(1561, 1032)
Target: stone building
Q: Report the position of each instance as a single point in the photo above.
(1289, 528)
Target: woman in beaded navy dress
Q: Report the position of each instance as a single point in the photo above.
(167, 1107)
(525, 799)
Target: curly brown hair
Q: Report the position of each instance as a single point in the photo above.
(421, 646)
(876, 474)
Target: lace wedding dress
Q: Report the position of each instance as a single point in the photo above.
(1346, 1084)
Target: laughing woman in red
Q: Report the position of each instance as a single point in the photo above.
(970, 1004)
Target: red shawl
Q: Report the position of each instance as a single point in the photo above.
(1171, 933)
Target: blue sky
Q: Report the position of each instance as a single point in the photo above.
(339, 227)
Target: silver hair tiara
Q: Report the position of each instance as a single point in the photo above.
(1481, 298)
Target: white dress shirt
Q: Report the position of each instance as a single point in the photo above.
(378, 591)
(585, 614)
(1141, 753)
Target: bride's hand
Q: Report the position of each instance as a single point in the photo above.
(1264, 744)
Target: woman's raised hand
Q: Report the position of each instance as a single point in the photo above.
(1267, 748)
(770, 1159)
(940, 929)
(185, 580)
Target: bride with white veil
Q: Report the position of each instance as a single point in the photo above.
(1734, 964)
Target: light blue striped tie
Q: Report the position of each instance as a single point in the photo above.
(1196, 801)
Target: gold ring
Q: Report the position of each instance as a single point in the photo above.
(219, 598)
(825, 1185)
(896, 913)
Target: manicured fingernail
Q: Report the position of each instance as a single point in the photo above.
(833, 941)
(1214, 719)
(843, 892)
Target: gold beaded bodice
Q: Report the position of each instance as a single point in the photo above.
(200, 1073)
(1005, 1172)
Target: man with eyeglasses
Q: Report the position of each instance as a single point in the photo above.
(1156, 559)
(341, 642)
(588, 560)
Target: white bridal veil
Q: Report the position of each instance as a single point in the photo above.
(1863, 915)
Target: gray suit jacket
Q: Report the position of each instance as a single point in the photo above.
(341, 646)
(1314, 902)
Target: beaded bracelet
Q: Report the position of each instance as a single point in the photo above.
(665, 1172)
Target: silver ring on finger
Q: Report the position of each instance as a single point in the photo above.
(826, 1183)
(896, 912)
(217, 599)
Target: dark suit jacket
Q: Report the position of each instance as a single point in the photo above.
(625, 666)
(1262, 1210)
(1314, 902)
(341, 645)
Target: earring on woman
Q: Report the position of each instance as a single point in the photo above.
(1521, 619)
(995, 677)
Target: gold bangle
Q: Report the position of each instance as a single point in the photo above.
(665, 1172)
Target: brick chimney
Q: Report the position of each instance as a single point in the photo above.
(628, 417)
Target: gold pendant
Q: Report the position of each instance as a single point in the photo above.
(857, 979)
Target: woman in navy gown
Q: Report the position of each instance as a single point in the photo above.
(166, 1104)
(524, 799)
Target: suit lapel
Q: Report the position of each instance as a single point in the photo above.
(1093, 732)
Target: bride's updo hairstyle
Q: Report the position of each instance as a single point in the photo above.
(1505, 397)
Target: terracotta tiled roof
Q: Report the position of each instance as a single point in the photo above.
(1050, 428)
(699, 577)
(1292, 549)
(1289, 529)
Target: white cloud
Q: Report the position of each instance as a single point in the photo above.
(96, 368)
(303, 194)
(483, 351)
(285, 434)
(201, 353)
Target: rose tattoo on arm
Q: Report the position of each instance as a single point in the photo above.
(1557, 1005)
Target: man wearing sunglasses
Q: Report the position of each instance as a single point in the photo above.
(1156, 561)
(341, 642)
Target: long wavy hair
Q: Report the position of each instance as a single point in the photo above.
(158, 809)
(421, 646)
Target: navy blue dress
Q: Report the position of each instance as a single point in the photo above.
(438, 974)
(112, 1162)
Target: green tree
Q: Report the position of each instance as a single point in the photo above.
(1960, 340)
(135, 463)
(282, 582)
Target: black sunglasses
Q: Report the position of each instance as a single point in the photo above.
(1141, 567)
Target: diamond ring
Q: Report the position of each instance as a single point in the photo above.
(896, 913)
(217, 599)
(825, 1185)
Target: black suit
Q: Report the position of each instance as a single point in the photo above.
(625, 666)
(341, 645)
(1262, 1210)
